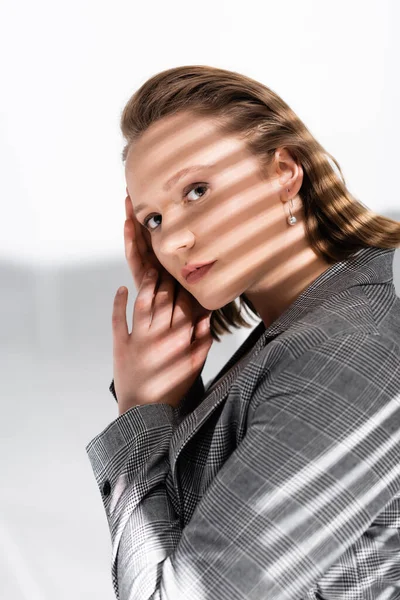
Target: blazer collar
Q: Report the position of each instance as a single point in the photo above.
(367, 266)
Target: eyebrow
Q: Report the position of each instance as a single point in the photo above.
(174, 180)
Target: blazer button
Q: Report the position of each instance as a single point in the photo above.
(106, 488)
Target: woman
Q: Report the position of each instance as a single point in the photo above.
(282, 480)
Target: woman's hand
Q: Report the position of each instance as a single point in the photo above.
(160, 359)
(157, 362)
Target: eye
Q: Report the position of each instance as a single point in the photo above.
(193, 186)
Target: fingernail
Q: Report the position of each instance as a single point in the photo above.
(151, 273)
(121, 290)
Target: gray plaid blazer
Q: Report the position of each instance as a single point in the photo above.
(281, 481)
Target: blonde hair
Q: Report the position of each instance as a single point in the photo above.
(336, 224)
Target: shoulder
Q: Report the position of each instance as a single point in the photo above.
(350, 315)
(358, 366)
(342, 392)
(342, 345)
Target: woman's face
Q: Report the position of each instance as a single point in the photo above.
(223, 211)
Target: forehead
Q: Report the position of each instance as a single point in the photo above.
(171, 144)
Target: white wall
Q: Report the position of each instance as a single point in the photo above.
(69, 67)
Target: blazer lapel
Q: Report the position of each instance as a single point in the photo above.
(205, 406)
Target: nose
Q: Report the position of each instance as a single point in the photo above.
(178, 242)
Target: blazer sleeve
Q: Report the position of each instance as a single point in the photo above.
(319, 461)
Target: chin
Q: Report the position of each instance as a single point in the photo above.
(212, 302)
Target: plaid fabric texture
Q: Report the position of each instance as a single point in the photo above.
(282, 482)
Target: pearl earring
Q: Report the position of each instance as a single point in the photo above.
(292, 219)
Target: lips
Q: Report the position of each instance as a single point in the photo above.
(194, 267)
(199, 273)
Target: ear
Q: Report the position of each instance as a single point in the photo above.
(290, 172)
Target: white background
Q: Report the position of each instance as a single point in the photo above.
(67, 69)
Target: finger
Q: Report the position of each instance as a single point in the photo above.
(202, 341)
(128, 207)
(202, 327)
(118, 321)
(164, 301)
(137, 231)
(142, 247)
(143, 240)
(183, 312)
(132, 253)
(132, 232)
(138, 248)
(143, 307)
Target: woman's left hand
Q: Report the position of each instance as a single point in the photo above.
(161, 358)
